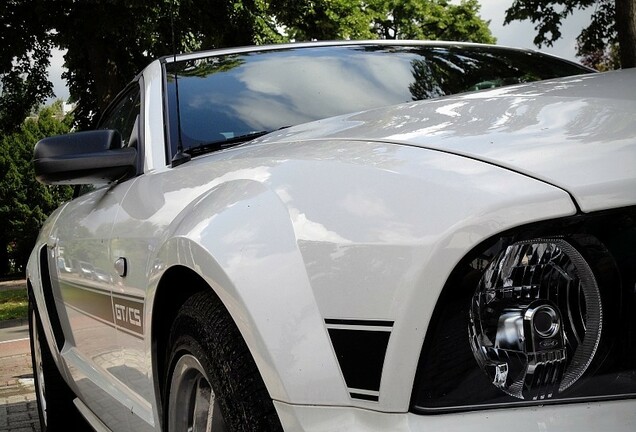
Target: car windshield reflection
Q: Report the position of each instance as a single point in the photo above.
(240, 95)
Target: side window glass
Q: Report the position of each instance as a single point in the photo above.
(123, 117)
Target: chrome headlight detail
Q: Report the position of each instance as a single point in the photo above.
(536, 318)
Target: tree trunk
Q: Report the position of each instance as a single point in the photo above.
(626, 27)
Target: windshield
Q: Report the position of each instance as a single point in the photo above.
(245, 95)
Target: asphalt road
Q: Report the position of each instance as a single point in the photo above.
(14, 333)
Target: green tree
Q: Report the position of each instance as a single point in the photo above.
(609, 40)
(384, 19)
(324, 19)
(24, 202)
(433, 20)
(24, 59)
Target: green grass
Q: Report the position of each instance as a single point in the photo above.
(14, 304)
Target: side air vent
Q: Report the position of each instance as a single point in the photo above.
(49, 300)
(360, 347)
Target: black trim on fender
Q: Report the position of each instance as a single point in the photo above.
(360, 347)
(49, 299)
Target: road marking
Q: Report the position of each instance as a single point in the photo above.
(14, 340)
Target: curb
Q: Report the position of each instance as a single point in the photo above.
(13, 284)
(13, 323)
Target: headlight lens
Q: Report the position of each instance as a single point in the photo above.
(540, 314)
(536, 318)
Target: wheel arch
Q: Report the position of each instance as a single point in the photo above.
(164, 310)
(246, 253)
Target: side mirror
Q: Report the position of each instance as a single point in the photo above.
(91, 157)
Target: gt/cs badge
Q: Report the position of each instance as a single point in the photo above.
(128, 314)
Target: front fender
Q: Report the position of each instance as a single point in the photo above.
(240, 239)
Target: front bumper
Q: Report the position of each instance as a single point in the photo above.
(615, 416)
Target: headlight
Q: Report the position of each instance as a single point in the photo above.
(541, 314)
(536, 318)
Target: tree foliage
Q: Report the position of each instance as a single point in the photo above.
(384, 19)
(433, 20)
(25, 203)
(24, 59)
(609, 41)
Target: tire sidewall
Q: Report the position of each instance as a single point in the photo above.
(204, 329)
(34, 326)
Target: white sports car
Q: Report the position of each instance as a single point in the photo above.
(236, 260)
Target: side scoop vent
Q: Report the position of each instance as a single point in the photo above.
(360, 347)
(49, 299)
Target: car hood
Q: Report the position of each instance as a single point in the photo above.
(577, 133)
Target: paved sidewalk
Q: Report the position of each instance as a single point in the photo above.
(18, 410)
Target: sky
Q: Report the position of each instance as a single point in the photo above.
(521, 33)
(517, 34)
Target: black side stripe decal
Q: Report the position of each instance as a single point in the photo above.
(360, 347)
(368, 397)
(366, 323)
(119, 311)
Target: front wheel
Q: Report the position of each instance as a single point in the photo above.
(213, 384)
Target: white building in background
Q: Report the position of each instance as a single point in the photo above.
(67, 107)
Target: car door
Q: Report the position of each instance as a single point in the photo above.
(83, 231)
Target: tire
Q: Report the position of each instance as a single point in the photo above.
(212, 383)
(54, 397)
